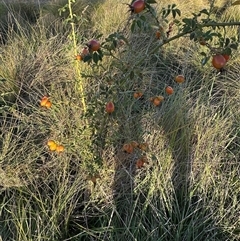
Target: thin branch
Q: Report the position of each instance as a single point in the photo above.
(213, 24)
(165, 41)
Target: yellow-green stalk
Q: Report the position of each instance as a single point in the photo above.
(78, 73)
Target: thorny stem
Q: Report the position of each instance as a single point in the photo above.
(166, 41)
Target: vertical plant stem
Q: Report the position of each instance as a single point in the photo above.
(77, 67)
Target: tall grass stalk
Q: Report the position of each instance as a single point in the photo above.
(77, 65)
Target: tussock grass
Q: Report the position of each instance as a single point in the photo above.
(188, 190)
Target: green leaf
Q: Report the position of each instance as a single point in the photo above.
(194, 24)
(174, 13)
(205, 60)
(216, 34)
(227, 51)
(100, 57)
(95, 57)
(177, 22)
(233, 46)
(3, 80)
(133, 26)
(87, 58)
(100, 52)
(178, 12)
(187, 21)
(131, 75)
(205, 11)
(151, 1)
(153, 157)
(190, 22)
(236, 3)
(192, 35)
(152, 10)
(139, 23)
(203, 54)
(168, 11)
(110, 36)
(114, 43)
(233, 39)
(208, 32)
(163, 12)
(227, 42)
(143, 18)
(186, 29)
